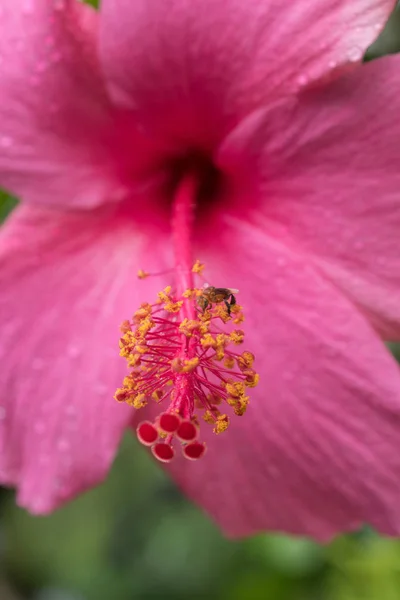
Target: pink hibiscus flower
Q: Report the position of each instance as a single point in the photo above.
(251, 132)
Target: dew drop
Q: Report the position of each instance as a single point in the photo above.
(63, 445)
(5, 141)
(3, 413)
(354, 54)
(302, 80)
(28, 7)
(73, 351)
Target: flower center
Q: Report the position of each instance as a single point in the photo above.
(181, 349)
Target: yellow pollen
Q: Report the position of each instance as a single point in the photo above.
(142, 313)
(121, 395)
(236, 389)
(207, 341)
(222, 312)
(134, 359)
(221, 424)
(138, 401)
(142, 274)
(237, 336)
(190, 364)
(198, 267)
(173, 307)
(229, 362)
(164, 295)
(252, 378)
(125, 326)
(209, 417)
(245, 361)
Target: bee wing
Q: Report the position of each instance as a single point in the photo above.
(233, 291)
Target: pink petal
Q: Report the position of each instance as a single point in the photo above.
(192, 67)
(60, 141)
(327, 177)
(66, 284)
(317, 451)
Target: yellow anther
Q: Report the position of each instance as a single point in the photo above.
(145, 327)
(198, 267)
(142, 274)
(164, 295)
(129, 383)
(222, 339)
(219, 353)
(207, 341)
(134, 360)
(190, 364)
(245, 361)
(173, 307)
(236, 389)
(138, 401)
(142, 313)
(229, 362)
(252, 378)
(125, 326)
(241, 406)
(141, 349)
(121, 395)
(157, 395)
(221, 311)
(239, 319)
(209, 417)
(189, 294)
(221, 424)
(237, 336)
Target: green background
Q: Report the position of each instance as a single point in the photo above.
(137, 537)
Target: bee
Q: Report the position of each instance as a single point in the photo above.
(213, 295)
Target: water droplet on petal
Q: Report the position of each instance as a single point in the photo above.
(3, 413)
(63, 445)
(354, 54)
(5, 141)
(28, 7)
(302, 80)
(73, 351)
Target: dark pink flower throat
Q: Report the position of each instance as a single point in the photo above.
(181, 350)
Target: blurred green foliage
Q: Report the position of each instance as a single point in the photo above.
(137, 537)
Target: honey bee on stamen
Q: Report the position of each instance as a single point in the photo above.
(213, 295)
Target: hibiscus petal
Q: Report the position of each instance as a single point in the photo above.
(317, 451)
(59, 139)
(183, 65)
(66, 284)
(327, 176)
